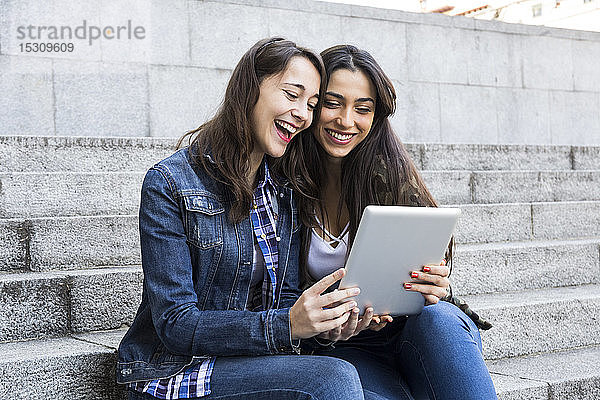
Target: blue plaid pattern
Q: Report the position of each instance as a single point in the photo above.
(264, 221)
(194, 381)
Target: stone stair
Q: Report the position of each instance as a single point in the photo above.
(528, 259)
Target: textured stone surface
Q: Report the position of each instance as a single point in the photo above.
(468, 114)
(69, 194)
(502, 70)
(480, 223)
(493, 73)
(140, 13)
(208, 37)
(540, 56)
(423, 112)
(438, 54)
(449, 187)
(585, 70)
(42, 244)
(483, 157)
(522, 115)
(570, 374)
(58, 368)
(26, 105)
(169, 115)
(573, 116)
(100, 99)
(390, 53)
(512, 388)
(319, 31)
(37, 305)
(56, 13)
(545, 320)
(501, 267)
(13, 245)
(463, 187)
(524, 186)
(104, 299)
(587, 157)
(564, 220)
(81, 154)
(108, 338)
(33, 305)
(80, 242)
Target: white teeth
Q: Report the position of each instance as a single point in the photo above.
(286, 126)
(338, 136)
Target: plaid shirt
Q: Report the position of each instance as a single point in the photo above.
(264, 222)
(194, 381)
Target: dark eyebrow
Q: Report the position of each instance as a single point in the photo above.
(359, 100)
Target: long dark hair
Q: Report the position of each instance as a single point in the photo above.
(228, 137)
(378, 170)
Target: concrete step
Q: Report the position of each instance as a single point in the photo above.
(485, 187)
(36, 305)
(48, 369)
(484, 223)
(25, 195)
(569, 375)
(511, 266)
(56, 243)
(80, 154)
(487, 157)
(537, 321)
(40, 244)
(61, 368)
(560, 375)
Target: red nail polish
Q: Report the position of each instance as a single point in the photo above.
(426, 269)
(407, 285)
(414, 275)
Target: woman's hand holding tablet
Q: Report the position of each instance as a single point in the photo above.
(315, 311)
(432, 282)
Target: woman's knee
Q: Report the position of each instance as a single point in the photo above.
(441, 318)
(334, 378)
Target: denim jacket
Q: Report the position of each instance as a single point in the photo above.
(197, 266)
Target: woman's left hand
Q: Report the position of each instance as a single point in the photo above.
(432, 281)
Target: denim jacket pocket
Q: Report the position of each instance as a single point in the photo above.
(204, 220)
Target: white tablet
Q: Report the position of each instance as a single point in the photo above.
(390, 242)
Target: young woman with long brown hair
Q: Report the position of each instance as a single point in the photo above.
(221, 312)
(352, 158)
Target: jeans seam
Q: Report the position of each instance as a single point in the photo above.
(421, 363)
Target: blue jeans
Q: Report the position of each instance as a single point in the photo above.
(281, 377)
(433, 355)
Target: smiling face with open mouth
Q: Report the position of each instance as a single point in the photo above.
(348, 112)
(285, 106)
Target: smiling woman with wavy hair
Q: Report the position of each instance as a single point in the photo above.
(350, 159)
(221, 313)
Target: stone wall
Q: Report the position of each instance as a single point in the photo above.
(459, 80)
